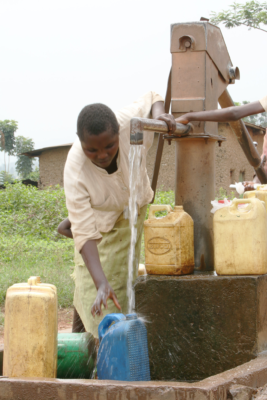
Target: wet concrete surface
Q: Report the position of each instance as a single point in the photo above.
(201, 325)
(252, 375)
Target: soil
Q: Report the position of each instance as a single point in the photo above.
(64, 322)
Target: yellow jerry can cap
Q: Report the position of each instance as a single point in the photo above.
(34, 280)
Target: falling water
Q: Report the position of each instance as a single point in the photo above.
(135, 158)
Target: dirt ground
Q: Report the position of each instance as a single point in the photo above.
(64, 322)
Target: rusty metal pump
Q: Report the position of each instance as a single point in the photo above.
(201, 71)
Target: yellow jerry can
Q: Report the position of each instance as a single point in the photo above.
(240, 238)
(169, 242)
(30, 335)
(260, 193)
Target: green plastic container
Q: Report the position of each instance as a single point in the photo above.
(76, 355)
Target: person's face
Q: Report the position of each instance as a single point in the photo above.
(101, 149)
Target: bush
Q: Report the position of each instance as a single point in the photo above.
(29, 242)
(6, 177)
(27, 211)
(22, 257)
(162, 198)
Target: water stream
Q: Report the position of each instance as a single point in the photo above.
(135, 158)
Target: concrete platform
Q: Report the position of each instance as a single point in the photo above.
(252, 374)
(201, 325)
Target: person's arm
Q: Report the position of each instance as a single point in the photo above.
(89, 251)
(264, 147)
(84, 227)
(224, 114)
(64, 228)
(91, 259)
(158, 112)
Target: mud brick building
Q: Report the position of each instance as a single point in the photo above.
(231, 163)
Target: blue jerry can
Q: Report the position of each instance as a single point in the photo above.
(123, 351)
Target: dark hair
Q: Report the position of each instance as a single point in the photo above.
(95, 119)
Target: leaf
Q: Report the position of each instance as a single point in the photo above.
(24, 164)
(252, 14)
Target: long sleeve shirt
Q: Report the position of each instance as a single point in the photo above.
(94, 198)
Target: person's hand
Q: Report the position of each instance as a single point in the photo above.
(182, 120)
(170, 121)
(248, 185)
(104, 293)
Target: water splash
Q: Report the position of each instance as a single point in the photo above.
(135, 159)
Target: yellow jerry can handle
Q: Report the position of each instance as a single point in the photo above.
(264, 187)
(236, 202)
(158, 207)
(34, 280)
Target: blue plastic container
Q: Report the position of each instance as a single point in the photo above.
(123, 351)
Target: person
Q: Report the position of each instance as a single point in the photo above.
(232, 114)
(96, 182)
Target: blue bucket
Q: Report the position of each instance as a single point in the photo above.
(123, 350)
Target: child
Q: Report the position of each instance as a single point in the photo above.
(96, 182)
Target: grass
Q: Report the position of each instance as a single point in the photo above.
(21, 258)
(1, 321)
(25, 251)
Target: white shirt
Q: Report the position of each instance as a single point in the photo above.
(96, 199)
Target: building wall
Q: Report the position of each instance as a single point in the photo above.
(230, 162)
(51, 165)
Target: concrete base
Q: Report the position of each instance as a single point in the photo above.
(201, 325)
(252, 375)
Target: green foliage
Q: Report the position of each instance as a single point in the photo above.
(34, 175)
(6, 177)
(23, 163)
(1, 320)
(8, 127)
(29, 243)
(162, 198)
(251, 14)
(27, 211)
(221, 194)
(22, 257)
(256, 119)
(232, 196)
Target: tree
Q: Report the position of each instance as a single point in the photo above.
(23, 163)
(7, 143)
(251, 14)
(257, 119)
(5, 177)
(34, 175)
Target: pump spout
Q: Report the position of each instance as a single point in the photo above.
(139, 125)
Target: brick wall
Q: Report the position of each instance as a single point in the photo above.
(51, 165)
(230, 162)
